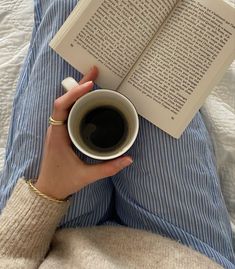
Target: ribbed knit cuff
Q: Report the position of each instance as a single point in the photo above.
(28, 223)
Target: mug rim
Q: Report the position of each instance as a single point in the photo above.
(95, 156)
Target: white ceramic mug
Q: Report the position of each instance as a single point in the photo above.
(94, 100)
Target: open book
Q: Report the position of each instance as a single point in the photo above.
(165, 56)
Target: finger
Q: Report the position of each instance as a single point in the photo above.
(91, 75)
(63, 103)
(107, 169)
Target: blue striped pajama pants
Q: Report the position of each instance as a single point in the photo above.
(172, 188)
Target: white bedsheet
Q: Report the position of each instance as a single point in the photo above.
(16, 20)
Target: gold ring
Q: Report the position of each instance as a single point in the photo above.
(56, 122)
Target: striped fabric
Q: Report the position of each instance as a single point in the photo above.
(171, 189)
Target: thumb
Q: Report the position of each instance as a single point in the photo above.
(107, 169)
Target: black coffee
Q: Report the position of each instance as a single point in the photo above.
(103, 128)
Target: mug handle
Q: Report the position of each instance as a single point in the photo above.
(69, 83)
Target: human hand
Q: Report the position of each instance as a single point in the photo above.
(62, 173)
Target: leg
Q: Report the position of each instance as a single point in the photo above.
(38, 87)
(173, 189)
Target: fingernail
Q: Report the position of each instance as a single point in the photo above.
(93, 67)
(125, 162)
(88, 83)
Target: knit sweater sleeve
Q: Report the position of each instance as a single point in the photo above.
(27, 225)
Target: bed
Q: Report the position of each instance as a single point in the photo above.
(16, 21)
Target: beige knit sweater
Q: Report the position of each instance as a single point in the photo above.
(28, 240)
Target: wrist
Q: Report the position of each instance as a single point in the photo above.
(46, 192)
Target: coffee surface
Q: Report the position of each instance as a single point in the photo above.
(103, 128)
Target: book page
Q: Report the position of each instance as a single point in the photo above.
(185, 60)
(112, 35)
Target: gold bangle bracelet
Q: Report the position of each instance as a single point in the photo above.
(30, 183)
